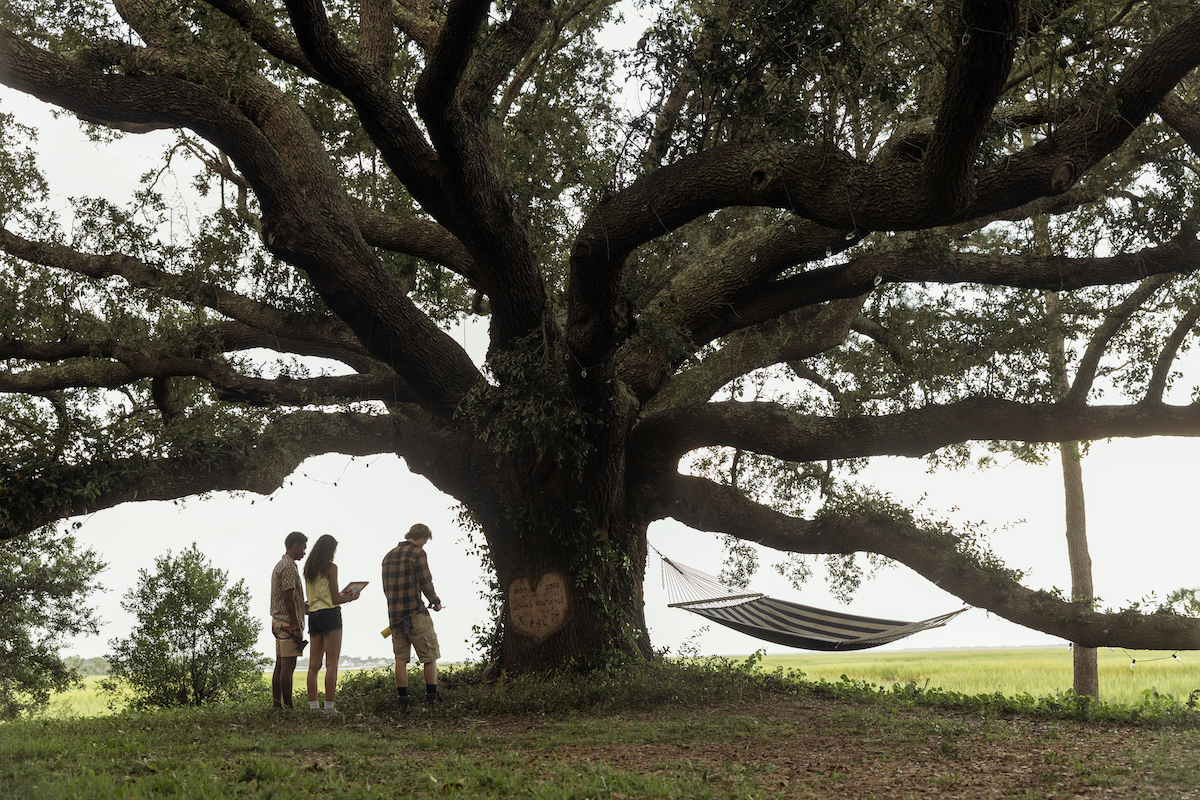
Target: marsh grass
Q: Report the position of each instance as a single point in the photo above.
(86, 701)
(1039, 671)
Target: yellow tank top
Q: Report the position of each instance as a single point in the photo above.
(318, 593)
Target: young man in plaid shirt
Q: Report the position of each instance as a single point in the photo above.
(405, 578)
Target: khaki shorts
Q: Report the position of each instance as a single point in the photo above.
(421, 638)
(285, 648)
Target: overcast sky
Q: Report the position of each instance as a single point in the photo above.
(1141, 498)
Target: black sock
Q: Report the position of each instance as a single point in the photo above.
(431, 688)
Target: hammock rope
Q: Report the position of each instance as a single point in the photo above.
(780, 621)
(690, 587)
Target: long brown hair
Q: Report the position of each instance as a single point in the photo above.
(320, 557)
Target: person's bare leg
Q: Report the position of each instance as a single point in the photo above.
(287, 666)
(276, 688)
(333, 654)
(316, 651)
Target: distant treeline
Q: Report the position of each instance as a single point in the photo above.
(87, 666)
(364, 663)
(99, 664)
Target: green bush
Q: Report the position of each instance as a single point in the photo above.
(368, 692)
(194, 641)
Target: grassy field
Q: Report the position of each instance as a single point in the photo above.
(87, 701)
(714, 729)
(1036, 671)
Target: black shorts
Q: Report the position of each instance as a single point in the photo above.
(325, 620)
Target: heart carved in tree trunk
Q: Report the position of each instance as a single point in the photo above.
(539, 608)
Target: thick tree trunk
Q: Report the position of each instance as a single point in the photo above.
(570, 560)
(570, 597)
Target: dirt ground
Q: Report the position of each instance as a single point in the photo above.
(816, 748)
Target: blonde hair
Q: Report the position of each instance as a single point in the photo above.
(419, 533)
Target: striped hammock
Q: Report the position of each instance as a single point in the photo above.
(779, 621)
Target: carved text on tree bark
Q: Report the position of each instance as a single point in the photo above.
(539, 608)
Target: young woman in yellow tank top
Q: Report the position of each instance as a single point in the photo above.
(324, 618)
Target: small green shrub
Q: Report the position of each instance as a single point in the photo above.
(370, 692)
(194, 639)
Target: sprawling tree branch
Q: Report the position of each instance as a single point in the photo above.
(438, 89)
(30, 501)
(384, 117)
(702, 290)
(937, 555)
(376, 39)
(1161, 374)
(129, 366)
(419, 21)
(1175, 113)
(799, 335)
(973, 84)
(1053, 165)
(383, 319)
(484, 216)
(502, 52)
(1025, 271)
(774, 430)
(1085, 373)
(330, 334)
(424, 239)
(531, 57)
(270, 38)
(841, 192)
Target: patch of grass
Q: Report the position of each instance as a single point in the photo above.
(721, 680)
(188, 754)
(86, 701)
(711, 728)
(1040, 671)
(642, 686)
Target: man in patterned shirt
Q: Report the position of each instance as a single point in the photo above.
(287, 618)
(405, 578)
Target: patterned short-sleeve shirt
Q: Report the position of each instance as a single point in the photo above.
(285, 576)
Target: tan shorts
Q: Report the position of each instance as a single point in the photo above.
(285, 648)
(421, 638)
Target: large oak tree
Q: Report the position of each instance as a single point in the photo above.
(812, 246)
